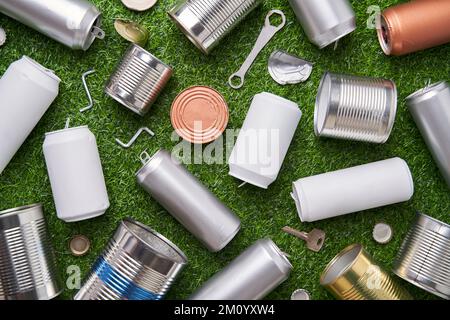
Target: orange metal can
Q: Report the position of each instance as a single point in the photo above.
(414, 26)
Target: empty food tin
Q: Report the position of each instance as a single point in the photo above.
(75, 173)
(206, 22)
(27, 89)
(74, 23)
(431, 112)
(413, 26)
(251, 276)
(264, 139)
(27, 261)
(354, 275)
(188, 201)
(137, 264)
(324, 21)
(353, 189)
(355, 108)
(138, 80)
(424, 256)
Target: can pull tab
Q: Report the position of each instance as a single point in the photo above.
(144, 157)
(98, 32)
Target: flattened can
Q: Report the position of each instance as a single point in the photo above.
(206, 22)
(28, 268)
(188, 201)
(430, 108)
(424, 257)
(354, 275)
(137, 264)
(27, 90)
(138, 80)
(355, 108)
(413, 26)
(75, 173)
(325, 21)
(74, 23)
(251, 276)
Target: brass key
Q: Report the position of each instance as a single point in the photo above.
(314, 239)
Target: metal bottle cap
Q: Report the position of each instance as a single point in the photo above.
(382, 233)
(199, 114)
(139, 5)
(300, 294)
(79, 245)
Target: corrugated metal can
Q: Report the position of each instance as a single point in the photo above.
(187, 200)
(75, 172)
(430, 109)
(138, 80)
(354, 275)
(251, 276)
(355, 108)
(325, 21)
(424, 257)
(28, 268)
(137, 264)
(74, 23)
(206, 22)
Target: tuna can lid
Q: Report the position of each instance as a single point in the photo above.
(139, 5)
(199, 114)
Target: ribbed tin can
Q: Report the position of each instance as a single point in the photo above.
(28, 268)
(430, 110)
(138, 80)
(424, 257)
(355, 108)
(354, 275)
(74, 23)
(206, 22)
(137, 264)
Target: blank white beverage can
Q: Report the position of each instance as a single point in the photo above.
(76, 175)
(27, 89)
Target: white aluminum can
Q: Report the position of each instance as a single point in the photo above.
(264, 139)
(75, 172)
(27, 89)
(353, 189)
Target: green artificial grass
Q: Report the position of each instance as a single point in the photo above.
(263, 212)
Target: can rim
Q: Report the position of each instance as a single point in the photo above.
(65, 130)
(347, 267)
(427, 92)
(183, 259)
(19, 210)
(383, 28)
(319, 104)
(36, 65)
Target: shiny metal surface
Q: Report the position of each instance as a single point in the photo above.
(188, 201)
(137, 264)
(424, 257)
(324, 21)
(27, 261)
(251, 276)
(285, 68)
(355, 108)
(206, 22)
(74, 23)
(430, 108)
(139, 5)
(354, 275)
(300, 294)
(132, 31)
(138, 80)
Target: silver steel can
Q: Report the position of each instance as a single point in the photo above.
(355, 108)
(137, 264)
(28, 268)
(251, 276)
(325, 21)
(138, 80)
(206, 22)
(74, 23)
(188, 201)
(431, 112)
(424, 257)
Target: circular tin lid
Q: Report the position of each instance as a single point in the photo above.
(139, 5)
(300, 294)
(382, 233)
(79, 245)
(199, 114)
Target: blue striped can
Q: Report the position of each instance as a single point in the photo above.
(137, 264)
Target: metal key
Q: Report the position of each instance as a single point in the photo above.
(266, 34)
(314, 239)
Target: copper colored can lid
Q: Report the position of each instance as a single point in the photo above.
(199, 114)
(79, 245)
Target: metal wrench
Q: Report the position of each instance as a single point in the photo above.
(267, 33)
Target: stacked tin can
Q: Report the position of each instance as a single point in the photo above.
(27, 261)
(137, 264)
